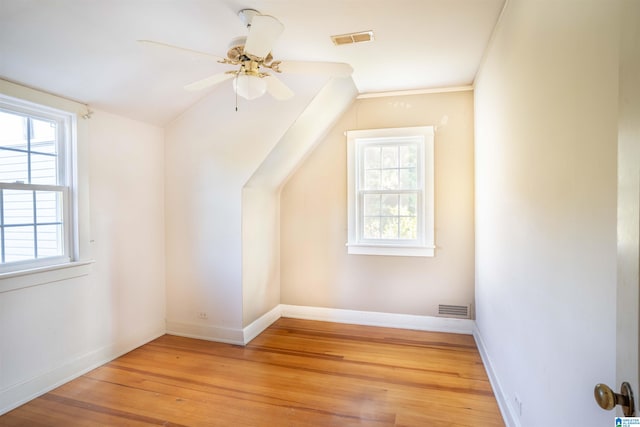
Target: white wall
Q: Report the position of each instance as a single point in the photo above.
(315, 267)
(127, 222)
(260, 252)
(546, 131)
(52, 332)
(261, 197)
(211, 153)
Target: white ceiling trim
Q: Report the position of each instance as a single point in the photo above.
(465, 88)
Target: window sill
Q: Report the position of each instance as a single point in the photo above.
(382, 250)
(15, 280)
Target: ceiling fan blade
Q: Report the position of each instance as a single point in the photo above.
(263, 33)
(209, 81)
(180, 49)
(277, 89)
(334, 69)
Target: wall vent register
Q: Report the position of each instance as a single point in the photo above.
(461, 311)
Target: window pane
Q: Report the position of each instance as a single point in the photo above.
(19, 243)
(49, 206)
(43, 169)
(408, 155)
(389, 228)
(14, 166)
(408, 204)
(389, 205)
(408, 228)
(18, 206)
(43, 136)
(50, 242)
(390, 157)
(390, 179)
(372, 158)
(372, 180)
(372, 204)
(408, 179)
(371, 228)
(14, 131)
(44, 147)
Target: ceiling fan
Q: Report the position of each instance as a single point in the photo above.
(255, 70)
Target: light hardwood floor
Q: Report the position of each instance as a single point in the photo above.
(296, 373)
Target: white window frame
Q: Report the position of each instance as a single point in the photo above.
(78, 162)
(66, 126)
(424, 245)
(81, 264)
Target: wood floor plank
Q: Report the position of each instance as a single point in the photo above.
(296, 373)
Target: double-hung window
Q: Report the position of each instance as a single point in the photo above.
(35, 186)
(390, 191)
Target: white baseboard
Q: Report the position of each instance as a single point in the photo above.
(206, 332)
(389, 320)
(222, 334)
(506, 409)
(260, 324)
(368, 318)
(18, 394)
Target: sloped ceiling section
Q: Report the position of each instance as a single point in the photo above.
(86, 49)
(261, 197)
(300, 139)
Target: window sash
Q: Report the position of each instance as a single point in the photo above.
(362, 216)
(414, 142)
(43, 253)
(61, 142)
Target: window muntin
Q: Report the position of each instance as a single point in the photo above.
(391, 191)
(35, 224)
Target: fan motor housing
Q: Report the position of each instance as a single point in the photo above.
(236, 48)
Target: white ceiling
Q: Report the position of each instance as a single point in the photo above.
(87, 50)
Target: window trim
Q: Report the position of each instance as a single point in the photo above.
(26, 278)
(424, 245)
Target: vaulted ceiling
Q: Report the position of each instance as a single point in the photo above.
(87, 50)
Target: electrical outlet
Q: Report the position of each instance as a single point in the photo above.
(518, 405)
(203, 315)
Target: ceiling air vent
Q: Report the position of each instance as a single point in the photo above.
(362, 36)
(461, 311)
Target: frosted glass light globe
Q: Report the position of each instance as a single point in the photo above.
(249, 86)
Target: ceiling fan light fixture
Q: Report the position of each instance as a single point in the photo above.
(249, 86)
(256, 70)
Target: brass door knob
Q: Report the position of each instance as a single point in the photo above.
(608, 399)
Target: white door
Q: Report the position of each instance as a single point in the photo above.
(628, 320)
